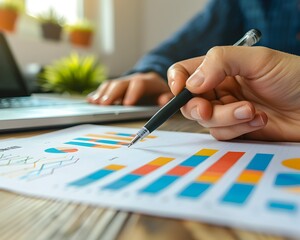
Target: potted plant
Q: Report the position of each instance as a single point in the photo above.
(9, 12)
(51, 24)
(72, 74)
(81, 33)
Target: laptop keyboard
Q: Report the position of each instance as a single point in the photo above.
(21, 102)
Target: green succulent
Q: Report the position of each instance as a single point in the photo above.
(73, 75)
(51, 16)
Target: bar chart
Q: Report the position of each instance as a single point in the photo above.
(96, 176)
(211, 175)
(138, 173)
(61, 150)
(244, 185)
(180, 175)
(108, 140)
(177, 172)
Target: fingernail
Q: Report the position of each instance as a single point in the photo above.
(243, 112)
(104, 98)
(257, 122)
(196, 79)
(195, 115)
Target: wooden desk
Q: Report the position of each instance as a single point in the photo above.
(28, 218)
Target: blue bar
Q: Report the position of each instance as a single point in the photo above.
(193, 161)
(194, 190)
(124, 134)
(282, 206)
(107, 141)
(81, 144)
(122, 182)
(260, 162)
(238, 193)
(91, 178)
(160, 184)
(287, 179)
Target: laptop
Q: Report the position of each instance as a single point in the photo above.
(20, 110)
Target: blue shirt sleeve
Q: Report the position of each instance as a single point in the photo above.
(221, 23)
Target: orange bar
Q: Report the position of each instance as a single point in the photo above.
(225, 162)
(219, 168)
(179, 170)
(145, 169)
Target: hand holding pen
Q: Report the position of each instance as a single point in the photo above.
(241, 92)
(250, 38)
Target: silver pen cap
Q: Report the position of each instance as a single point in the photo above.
(250, 38)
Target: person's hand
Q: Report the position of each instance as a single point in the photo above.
(248, 92)
(138, 88)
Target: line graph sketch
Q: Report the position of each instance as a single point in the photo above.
(30, 168)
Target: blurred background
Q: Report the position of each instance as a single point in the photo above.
(121, 31)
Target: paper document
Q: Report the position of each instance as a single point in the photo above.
(192, 176)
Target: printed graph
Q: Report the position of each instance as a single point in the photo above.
(96, 176)
(244, 185)
(289, 181)
(211, 175)
(30, 168)
(108, 140)
(190, 176)
(138, 173)
(61, 150)
(10, 160)
(179, 171)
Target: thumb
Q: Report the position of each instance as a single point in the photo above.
(219, 62)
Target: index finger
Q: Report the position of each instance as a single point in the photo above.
(179, 72)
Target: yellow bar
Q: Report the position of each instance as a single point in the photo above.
(208, 178)
(160, 161)
(206, 152)
(114, 167)
(249, 176)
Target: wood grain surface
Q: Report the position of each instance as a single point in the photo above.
(28, 218)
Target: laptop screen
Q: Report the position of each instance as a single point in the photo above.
(11, 82)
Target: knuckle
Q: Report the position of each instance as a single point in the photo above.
(217, 134)
(216, 52)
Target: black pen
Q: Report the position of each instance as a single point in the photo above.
(168, 110)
